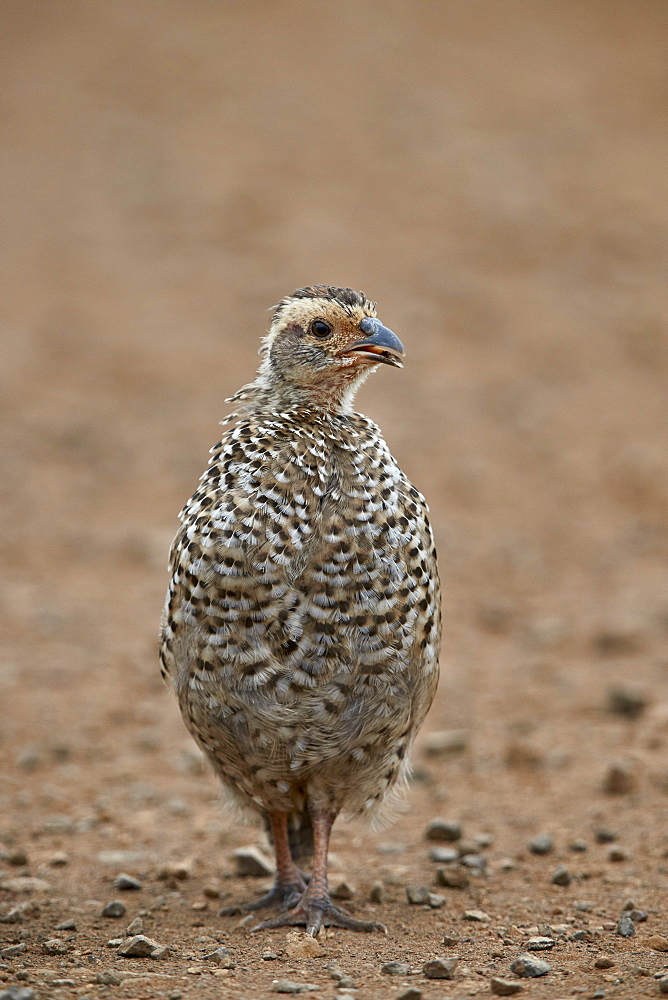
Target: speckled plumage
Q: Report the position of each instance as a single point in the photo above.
(302, 627)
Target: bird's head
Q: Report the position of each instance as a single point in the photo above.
(322, 343)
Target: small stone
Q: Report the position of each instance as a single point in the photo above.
(417, 895)
(395, 969)
(108, 978)
(445, 743)
(626, 927)
(222, 958)
(540, 943)
(657, 942)
(66, 925)
(442, 829)
(478, 916)
(12, 950)
(135, 926)
(114, 909)
(598, 994)
(25, 883)
(663, 984)
(138, 946)
(580, 846)
(377, 894)
(628, 700)
(450, 941)
(436, 900)
(302, 945)
(161, 951)
(13, 916)
(604, 835)
(620, 779)
(444, 855)
(561, 876)
(17, 993)
(453, 877)
(616, 853)
(251, 862)
(268, 955)
(638, 916)
(411, 993)
(344, 890)
(290, 986)
(54, 946)
(528, 967)
(179, 870)
(504, 987)
(604, 962)
(17, 856)
(542, 844)
(440, 968)
(127, 883)
(59, 859)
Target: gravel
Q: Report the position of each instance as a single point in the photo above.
(114, 909)
(542, 844)
(440, 968)
(561, 876)
(626, 926)
(504, 987)
(453, 877)
(140, 946)
(443, 855)
(528, 967)
(443, 829)
(127, 882)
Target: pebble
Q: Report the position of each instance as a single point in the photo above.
(579, 846)
(443, 855)
(302, 945)
(135, 926)
(126, 882)
(26, 883)
(114, 909)
(395, 969)
(443, 829)
(616, 853)
(628, 700)
(417, 894)
(19, 993)
(59, 859)
(626, 927)
(66, 925)
(453, 877)
(12, 950)
(138, 946)
(528, 967)
(478, 916)
(445, 742)
(16, 856)
(657, 942)
(663, 985)
(344, 890)
(540, 943)
(268, 955)
(377, 894)
(290, 986)
(180, 870)
(504, 987)
(12, 916)
(620, 778)
(412, 993)
(604, 962)
(561, 876)
(108, 978)
(542, 844)
(251, 862)
(604, 835)
(638, 916)
(476, 862)
(440, 968)
(222, 958)
(54, 946)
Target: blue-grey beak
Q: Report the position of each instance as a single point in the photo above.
(379, 344)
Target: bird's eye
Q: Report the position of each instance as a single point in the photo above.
(320, 329)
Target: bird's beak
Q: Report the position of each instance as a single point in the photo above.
(379, 344)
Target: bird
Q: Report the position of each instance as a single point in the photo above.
(301, 627)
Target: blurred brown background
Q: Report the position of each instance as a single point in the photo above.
(494, 175)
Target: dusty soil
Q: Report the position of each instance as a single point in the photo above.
(493, 174)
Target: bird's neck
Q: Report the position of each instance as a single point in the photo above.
(271, 390)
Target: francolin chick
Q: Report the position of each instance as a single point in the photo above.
(302, 623)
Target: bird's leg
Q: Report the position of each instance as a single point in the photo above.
(289, 883)
(315, 907)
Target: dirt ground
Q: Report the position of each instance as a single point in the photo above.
(494, 175)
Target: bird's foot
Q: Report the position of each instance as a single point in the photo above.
(316, 913)
(279, 896)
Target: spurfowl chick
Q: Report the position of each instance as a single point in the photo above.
(302, 622)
